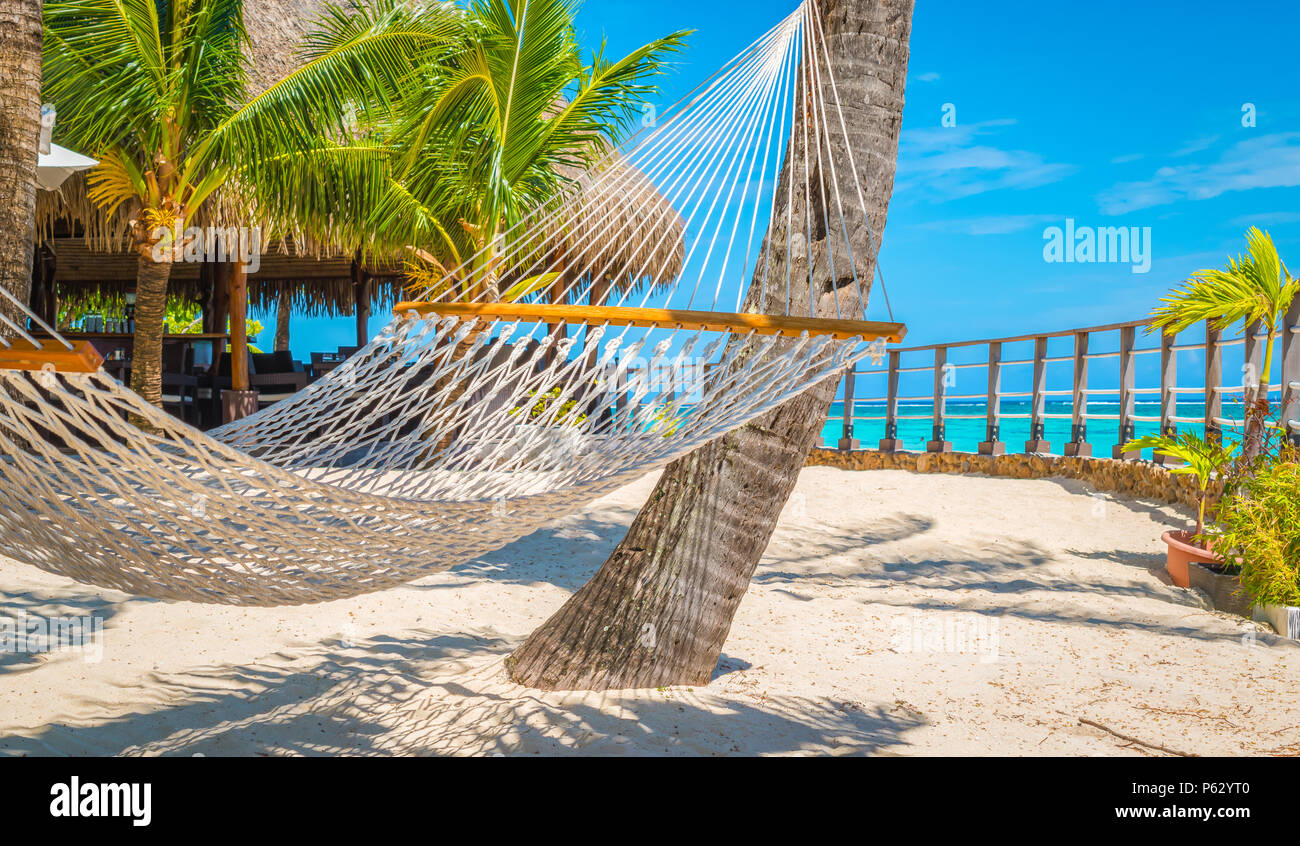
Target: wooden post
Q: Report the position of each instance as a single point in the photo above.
(992, 444)
(1252, 378)
(1168, 396)
(361, 294)
(238, 327)
(1252, 363)
(1127, 401)
(239, 401)
(1291, 370)
(1213, 379)
(891, 442)
(847, 441)
(1078, 445)
(940, 442)
(1037, 435)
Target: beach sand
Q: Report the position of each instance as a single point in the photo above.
(892, 614)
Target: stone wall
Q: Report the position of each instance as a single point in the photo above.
(1133, 479)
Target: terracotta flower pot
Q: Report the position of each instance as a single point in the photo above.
(1182, 551)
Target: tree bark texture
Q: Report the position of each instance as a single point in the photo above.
(20, 130)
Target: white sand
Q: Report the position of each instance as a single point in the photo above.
(860, 634)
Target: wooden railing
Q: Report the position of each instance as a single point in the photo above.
(937, 359)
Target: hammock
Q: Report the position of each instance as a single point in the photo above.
(468, 423)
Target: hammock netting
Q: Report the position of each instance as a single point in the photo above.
(454, 432)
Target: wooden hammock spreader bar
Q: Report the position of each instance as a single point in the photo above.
(22, 355)
(761, 324)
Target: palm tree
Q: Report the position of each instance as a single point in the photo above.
(495, 132)
(156, 89)
(20, 112)
(1201, 459)
(1255, 288)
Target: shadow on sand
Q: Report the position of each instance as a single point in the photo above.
(447, 695)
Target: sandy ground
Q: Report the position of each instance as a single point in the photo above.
(893, 614)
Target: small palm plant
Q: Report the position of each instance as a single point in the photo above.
(496, 132)
(1202, 459)
(1255, 288)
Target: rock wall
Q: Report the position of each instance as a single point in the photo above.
(1133, 479)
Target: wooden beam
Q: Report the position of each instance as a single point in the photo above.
(21, 355)
(1127, 398)
(939, 399)
(1038, 442)
(1291, 371)
(1213, 380)
(891, 441)
(239, 379)
(761, 324)
(1078, 445)
(993, 445)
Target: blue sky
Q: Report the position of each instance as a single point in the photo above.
(1111, 114)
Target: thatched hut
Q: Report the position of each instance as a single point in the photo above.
(83, 252)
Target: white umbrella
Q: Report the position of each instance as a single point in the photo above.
(58, 164)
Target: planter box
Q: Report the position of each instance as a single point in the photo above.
(1285, 619)
(1224, 591)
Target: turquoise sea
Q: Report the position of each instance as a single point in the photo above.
(966, 433)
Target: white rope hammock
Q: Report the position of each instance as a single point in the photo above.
(467, 424)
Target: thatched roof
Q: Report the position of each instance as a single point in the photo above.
(620, 228)
(650, 242)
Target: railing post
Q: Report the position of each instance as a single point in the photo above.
(940, 442)
(1168, 396)
(1291, 371)
(1252, 379)
(992, 445)
(1253, 363)
(1213, 379)
(1037, 435)
(1078, 445)
(1127, 403)
(891, 443)
(847, 441)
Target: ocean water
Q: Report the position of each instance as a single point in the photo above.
(966, 433)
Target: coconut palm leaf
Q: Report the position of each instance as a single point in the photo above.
(1253, 287)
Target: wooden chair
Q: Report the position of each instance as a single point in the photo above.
(275, 376)
(180, 387)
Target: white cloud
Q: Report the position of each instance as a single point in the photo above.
(1265, 219)
(993, 224)
(950, 162)
(1269, 161)
(1126, 158)
(929, 77)
(1196, 146)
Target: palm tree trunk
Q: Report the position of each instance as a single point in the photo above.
(283, 310)
(658, 611)
(20, 128)
(151, 279)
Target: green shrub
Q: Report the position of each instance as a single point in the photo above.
(1260, 521)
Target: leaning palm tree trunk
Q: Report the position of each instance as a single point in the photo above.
(20, 120)
(659, 610)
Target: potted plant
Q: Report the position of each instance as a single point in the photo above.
(1204, 460)
(1259, 521)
